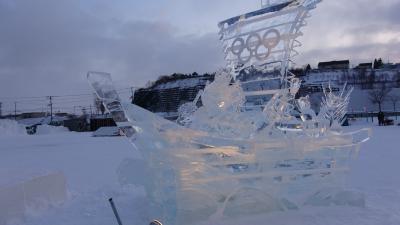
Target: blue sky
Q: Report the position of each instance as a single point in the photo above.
(47, 46)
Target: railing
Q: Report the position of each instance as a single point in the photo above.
(370, 114)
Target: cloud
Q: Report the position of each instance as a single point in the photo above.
(358, 30)
(47, 46)
(53, 44)
(359, 53)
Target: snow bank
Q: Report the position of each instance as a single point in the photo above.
(11, 128)
(46, 129)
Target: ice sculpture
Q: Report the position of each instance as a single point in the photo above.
(226, 162)
(193, 175)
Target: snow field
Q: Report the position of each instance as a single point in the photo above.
(92, 168)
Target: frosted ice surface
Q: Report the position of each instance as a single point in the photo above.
(31, 194)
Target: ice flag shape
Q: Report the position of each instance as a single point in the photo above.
(266, 38)
(221, 161)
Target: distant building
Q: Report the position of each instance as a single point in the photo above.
(168, 93)
(77, 124)
(96, 123)
(364, 66)
(390, 66)
(257, 87)
(334, 65)
(32, 115)
(318, 77)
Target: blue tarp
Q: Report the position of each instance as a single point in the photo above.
(270, 9)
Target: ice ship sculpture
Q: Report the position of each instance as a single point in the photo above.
(222, 162)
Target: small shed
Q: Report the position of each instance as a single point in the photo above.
(77, 124)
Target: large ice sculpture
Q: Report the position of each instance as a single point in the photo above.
(194, 175)
(226, 162)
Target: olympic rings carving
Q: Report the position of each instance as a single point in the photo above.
(244, 59)
(237, 49)
(273, 41)
(262, 56)
(254, 43)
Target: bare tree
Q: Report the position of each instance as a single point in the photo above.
(99, 105)
(84, 112)
(393, 98)
(398, 79)
(370, 80)
(379, 95)
(362, 78)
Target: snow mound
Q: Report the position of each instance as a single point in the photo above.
(47, 129)
(11, 128)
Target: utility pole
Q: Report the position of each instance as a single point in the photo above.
(83, 111)
(15, 110)
(132, 94)
(51, 108)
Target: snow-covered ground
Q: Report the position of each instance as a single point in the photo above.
(91, 166)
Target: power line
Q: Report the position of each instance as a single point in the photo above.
(59, 97)
(55, 102)
(72, 101)
(15, 110)
(13, 98)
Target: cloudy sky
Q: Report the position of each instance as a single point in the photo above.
(47, 46)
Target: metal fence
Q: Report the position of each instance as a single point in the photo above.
(371, 114)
